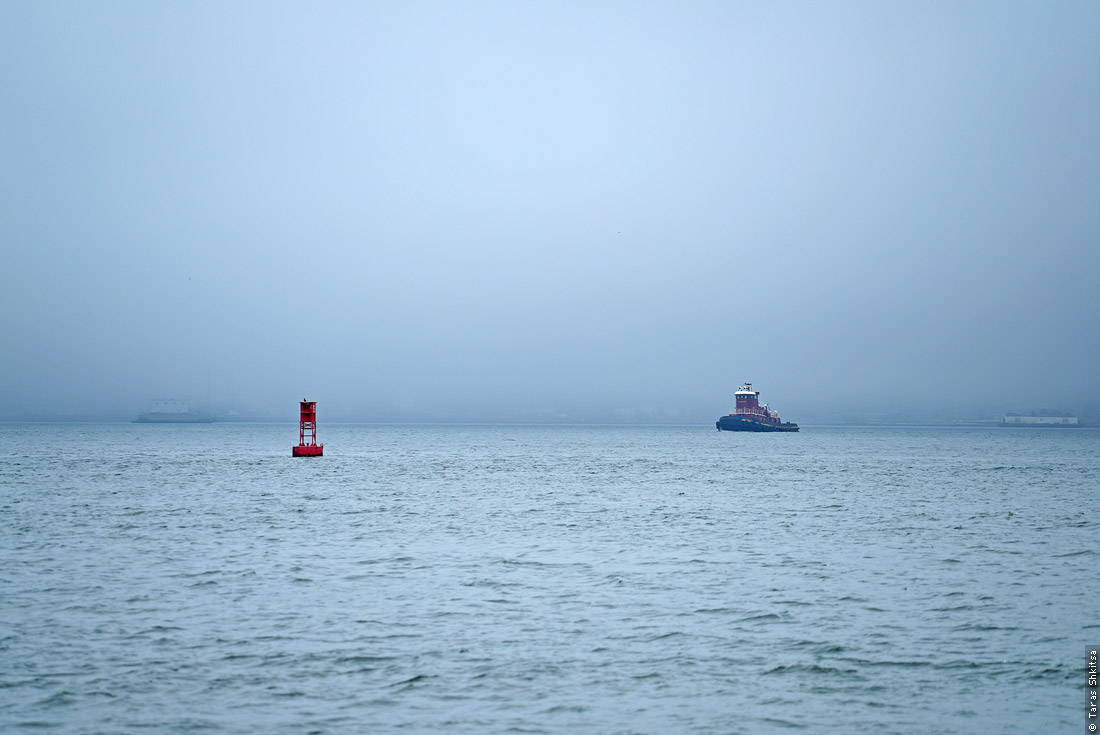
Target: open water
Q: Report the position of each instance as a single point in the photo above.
(491, 579)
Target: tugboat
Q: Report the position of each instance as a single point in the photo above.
(752, 415)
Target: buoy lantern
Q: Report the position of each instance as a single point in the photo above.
(307, 432)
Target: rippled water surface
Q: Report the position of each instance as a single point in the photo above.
(472, 579)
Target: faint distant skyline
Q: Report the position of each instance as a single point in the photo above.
(506, 211)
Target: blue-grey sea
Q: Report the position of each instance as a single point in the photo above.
(546, 579)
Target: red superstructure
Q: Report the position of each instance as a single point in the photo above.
(307, 432)
(748, 404)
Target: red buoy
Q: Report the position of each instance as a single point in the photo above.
(307, 432)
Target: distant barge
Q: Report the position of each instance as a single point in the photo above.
(751, 415)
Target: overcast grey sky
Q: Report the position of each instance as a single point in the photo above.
(516, 209)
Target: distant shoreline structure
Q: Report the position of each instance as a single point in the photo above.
(171, 411)
(162, 418)
(1042, 419)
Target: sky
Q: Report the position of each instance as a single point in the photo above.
(550, 211)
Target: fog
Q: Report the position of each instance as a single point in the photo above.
(566, 211)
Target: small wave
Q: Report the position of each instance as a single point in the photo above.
(559, 708)
(192, 575)
(893, 664)
(760, 617)
(822, 648)
(492, 583)
(385, 560)
(782, 723)
(237, 656)
(522, 563)
(982, 627)
(58, 699)
(411, 680)
(363, 659)
(810, 669)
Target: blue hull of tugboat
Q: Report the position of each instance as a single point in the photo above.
(748, 423)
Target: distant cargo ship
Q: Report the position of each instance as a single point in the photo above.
(171, 412)
(1045, 417)
(751, 415)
